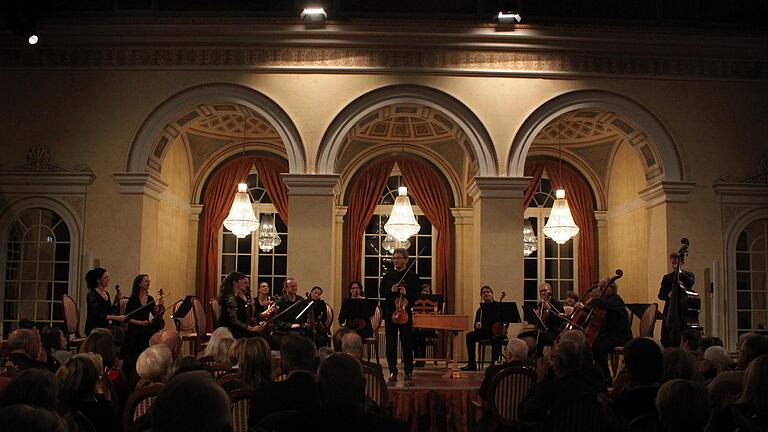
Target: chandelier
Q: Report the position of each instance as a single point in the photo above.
(402, 223)
(390, 243)
(268, 237)
(560, 227)
(530, 241)
(241, 219)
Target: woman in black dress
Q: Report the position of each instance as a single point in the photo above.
(100, 309)
(140, 327)
(233, 301)
(362, 325)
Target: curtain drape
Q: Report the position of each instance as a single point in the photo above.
(581, 203)
(363, 199)
(217, 200)
(431, 194)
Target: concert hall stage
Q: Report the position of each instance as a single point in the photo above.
(432, 402)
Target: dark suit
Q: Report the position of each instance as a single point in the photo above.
(615, 330)
(412, 283)
(547, 394)
(477, 335)
(298, 392)
(687, 279)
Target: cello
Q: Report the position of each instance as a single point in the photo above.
(499, 329)
(597, 315)
(684, 303)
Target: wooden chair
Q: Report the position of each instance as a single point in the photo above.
(373, 342)
(136, 415)
(329, 321)
(192, 326)
(207, 360)
(221, 369)
(376, 386)
(240, 403)
(123, 303)
(230, 382)
(647, 326)
(72, 322)
(579, 413)
(427, 307)
(215, 311)
(505, 392)
(483, 345)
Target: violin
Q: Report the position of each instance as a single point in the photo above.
(158, 323)
(499, 329)
(400, 315)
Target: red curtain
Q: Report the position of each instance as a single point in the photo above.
(219, 194)
(363, 198)
(580, 201)
(430, 192)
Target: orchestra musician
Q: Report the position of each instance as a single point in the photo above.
(481, 332)
(100, 309)
(687, 279)
(286, 322)
(318, 316)
(233, 304)
(262, 301)
(140, 327)
(400, 281)
(360, 325)
(615, 330)
(421, 335)
(550, 310)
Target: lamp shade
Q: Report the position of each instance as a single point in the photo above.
(402, 223)
(241, 219)
(560, 227)
(268, 237)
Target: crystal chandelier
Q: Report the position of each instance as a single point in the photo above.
(241, 219)
(560, 227)
(402, 224)
(529, 239)
(390, 243)
(268, 237)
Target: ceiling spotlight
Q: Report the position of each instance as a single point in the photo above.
(314, 15)
(33, 39)
(509, 18)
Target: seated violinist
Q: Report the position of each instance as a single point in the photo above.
(550, 311)
(317, 316)
(361, 325)
(615, 330)
(288, 321)
(481, 332)
(233, 302)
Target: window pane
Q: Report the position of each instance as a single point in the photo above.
(373, 226)
(371, 287)
(244, 264)
(424, 268)
(550, 247)
(530, 291)
(550, 269)
(372, 244)
(281, 265)
(61, 232)
(280, 225)
(566, 269)
(758, 300)
(742, 261)
(742, 281)
(61, 272)
(744, 320)
(265, 264)
(371, 266)
(530, 268)
(426, 227)
(566, 250)
(282, 248)
(62, 252)
(742, 244)
(759, 319)
(227, 264)
(244, 245)
(743, 300)
(424, 243)
(228, 243)
(758, 262)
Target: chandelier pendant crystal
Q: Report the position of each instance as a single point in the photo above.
(530, 241)
(402, 223)
(560, 227)
(268, 237)
(390, 243)
(241, 219)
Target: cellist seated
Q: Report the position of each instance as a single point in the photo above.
(614, 330)
(481, 332)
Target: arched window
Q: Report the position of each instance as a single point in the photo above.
(552, 263)
(378, 259)
(751, 286)
(244, 255)
(37, 270)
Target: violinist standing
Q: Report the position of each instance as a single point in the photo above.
(395, 282)
(480, 332)
(140, 327)
(687, 279)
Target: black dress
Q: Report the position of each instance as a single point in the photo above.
(234, 316)
(137, 336)
(97, 310)
(361, 325)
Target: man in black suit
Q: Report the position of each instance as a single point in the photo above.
(687, 279)
(399, 281)
(299, 391)
(480, 332)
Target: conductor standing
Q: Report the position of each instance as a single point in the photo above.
(402, 279)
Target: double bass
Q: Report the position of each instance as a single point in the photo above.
(684, 302)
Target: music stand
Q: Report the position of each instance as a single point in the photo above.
(499, 312)
(531, 317)
(354, 309)
(184, 309)
(437, 298)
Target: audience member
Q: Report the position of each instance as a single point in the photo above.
(235, 350)
(218, 345)
(55, 345)
(31, 419)
(724, 388)
(750, 411)
(191, 402)
(299, 390)
(709, 341)
(683, 406)
(352, 344)
(255, 363)
(102, 343)
(170, 338)
(645, 367)
(77, 379)
(716, 360)
(588, 367)
(515, 355)
(679, 364)
(186, 364)
(26, 352)
(338, 335)
(152, 364)
(35, 387)
(689, 341)
(323, 353)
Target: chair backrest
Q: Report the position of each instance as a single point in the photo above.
(648, 322)
(71, 315)
(207, 360)
(185, 324)
(375, 386)
(200, 320)
(581, 412)
(228, 379)
(215, 311)
(329, 320)
(221, 369)
(136, 415)
(507, 389)
(123, 304)
(376, 320)
(279, 377)
(425, 306)
(240, 403)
